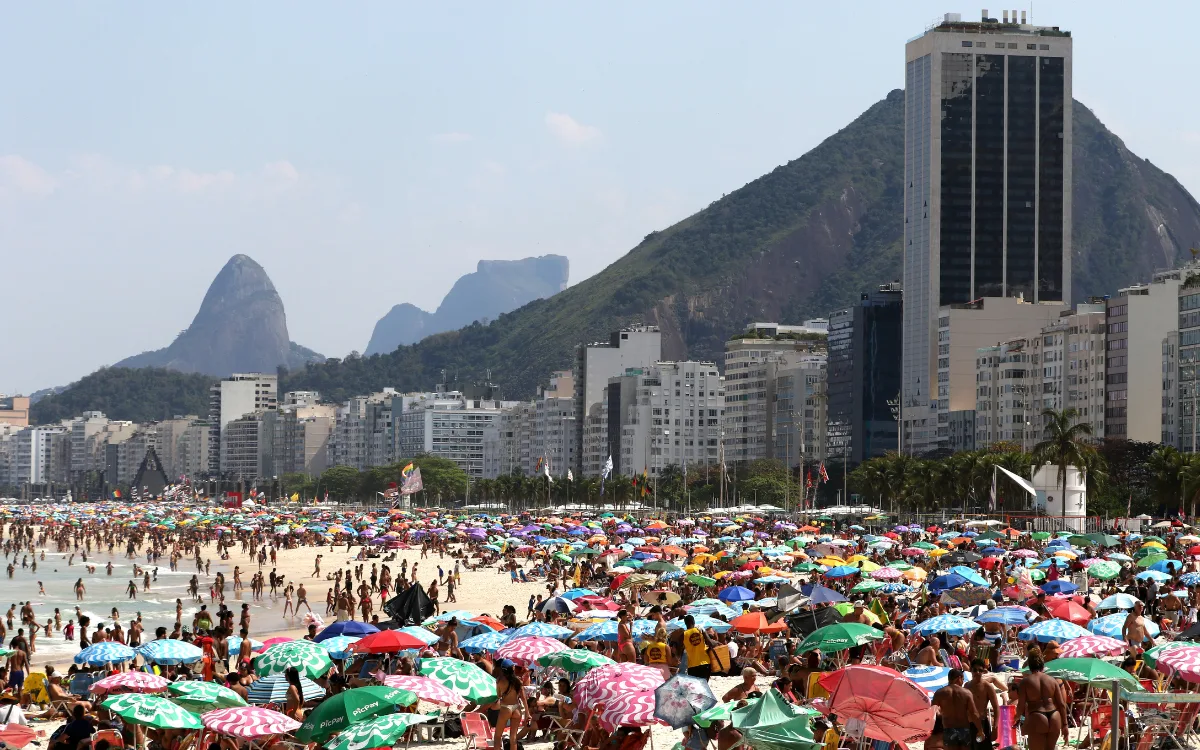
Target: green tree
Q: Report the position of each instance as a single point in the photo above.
(1065, 445)
(341, 482)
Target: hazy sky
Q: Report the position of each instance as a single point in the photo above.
(368, 154)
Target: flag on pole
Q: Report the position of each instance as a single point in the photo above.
(645, 484)
(546, 471)
(538, 469)
(992, 494)
(608, 467)
(808, 483)
(1129, 507)
(570, 476)
(823, 474)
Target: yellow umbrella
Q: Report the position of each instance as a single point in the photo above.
(832, 561)
(692, 569)
(857, 558)
(1159, 545)
(867, 566)
(914, 574)
(938, 552)
(721, 574)
(1066, 553)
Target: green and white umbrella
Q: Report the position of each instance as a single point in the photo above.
(203, 696)
(349, 708)
(1151, 655)
(310, 658)
(574, 660)
(382, 731)
(839, 637)
(1091, 671)
(1104, 571)
(151, 711)
(462, 677)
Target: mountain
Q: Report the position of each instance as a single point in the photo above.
(496, 286)
(138, 395)
(240, 327)
(802, 240)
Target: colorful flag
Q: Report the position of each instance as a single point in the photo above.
(538, 469)
(407, 471)
(116, 494)
(295, 497)
(413, 483)
(645, 484)
(824, 474)
(808, 483)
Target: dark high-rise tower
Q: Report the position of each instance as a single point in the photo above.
(987, 171)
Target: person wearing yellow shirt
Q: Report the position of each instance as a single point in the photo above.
(657, 653)
(697, 645)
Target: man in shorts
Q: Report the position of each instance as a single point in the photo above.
(960, 720)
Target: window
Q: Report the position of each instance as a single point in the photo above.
(968, 44)
(1044, 46)
(1030, 46)
(1012, 45)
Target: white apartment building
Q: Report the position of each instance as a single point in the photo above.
(508, 442)
(637, 346)
(364, 431)
(84, 456)
(234, 397)
(304, 434)
(450, 425)
(32, 454)
(248, 447)
(799, 420)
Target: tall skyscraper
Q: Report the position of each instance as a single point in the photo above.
(987, 193)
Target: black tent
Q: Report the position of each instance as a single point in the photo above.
(411, 607)
(804, 622)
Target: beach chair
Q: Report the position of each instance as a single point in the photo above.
(35, 688)
(476, 731)
(81, 684)
(115, 738)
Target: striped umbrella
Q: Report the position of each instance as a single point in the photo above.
(462, 677)
(151, 711)
(526, 650)
(167, 652)
(1183, 662)
(951, 624)
(235, 644)
(1151, 655)
(607, 682)
(351, 707)
(249, 722)
(629, 709)
(1052, 630)
(543, 629)
(105, 652)
(607, 631)
(425, 689)
(574, 660)
(306, 656)
(130, 682)
(1091, 645)
(1112, 625)
(273, 689)
(932, 678)
(382, 731)
(339, 645)
(421, 634)
(489, 641)
(198, 696)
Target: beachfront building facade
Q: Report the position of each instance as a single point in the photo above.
(595, 363)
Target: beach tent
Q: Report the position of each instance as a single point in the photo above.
(411, 607)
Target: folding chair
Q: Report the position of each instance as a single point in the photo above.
(477, 731)
(115, 739)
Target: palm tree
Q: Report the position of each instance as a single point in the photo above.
(1066, 444)
(1166, 466)
(1189, 478)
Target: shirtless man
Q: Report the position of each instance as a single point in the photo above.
(984, 693)
(17, 663)
(1040, 706)
(858, 614)
(929, 656)
(1134, 629)
(302, 598)
(960, 719)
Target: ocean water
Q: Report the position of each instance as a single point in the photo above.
(104, 592)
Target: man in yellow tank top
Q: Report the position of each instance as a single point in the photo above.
(696, 645)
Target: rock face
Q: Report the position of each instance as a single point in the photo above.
(496, 287)
(241, 327)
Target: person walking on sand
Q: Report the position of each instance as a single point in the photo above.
(302, 598)
(287, 601)
(317, 567)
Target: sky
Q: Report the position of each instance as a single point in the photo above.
(368, 154)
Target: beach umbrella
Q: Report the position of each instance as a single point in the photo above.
(606, 683)
(235, 644)
(1151, 655)
(702, 581)
(1104, 570)
(386, 642)
(1052, 630)
(425, 688)
(421, 634)
(306, 656)
(1156, 575)
(839, 637)
(351, 707)
(489, 641)
(151, 711)
(1091, 645)
(1112, 625)
(735, 594)
(166, 651)
(1190, 579)
(1118, 601)
(704, 622)
(1012, 615)
(346, 627)
(249, 722)
(339, 646)
(629, 709)
(105, 652)
(951, 624)
(574, 660)
(273, 689)
(1184, 662)
(381, 731)
(756, 622)
(1066, 609)
(680, 698)
(198, 696)
(719, 712)
(542, 629)
(558, 604)
(524, 651)
(892, 707)
(931, 678)
(462, 677)
(130, 682)
(1088, 671)
(969, 574)
(16, 735)
(1059, 587)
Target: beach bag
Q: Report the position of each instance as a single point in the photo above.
(453, 728)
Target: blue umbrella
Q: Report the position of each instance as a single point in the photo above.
(1059, 587)
(607, 631)
(1190, 579)
(105, 652)
(703, 622)
(274, 689)
(841, 571)
(1118, 601)
(347, 627)
(576, 593)
(894, 588)
(423, 634)
(1167, 566)
(543, 629)
(714, 609)
(1157, 575)
(818, 594)
(1057, 562)
(951, 624)
(1052, 630)
(736, 594)
(931, 678)
(166, 652)
(771, 579)
(947, 582)
(969, 574)
(235, 644)
(339, 646)
(680, 698)
(489, 641)
(1112, 625)
(1006, 615)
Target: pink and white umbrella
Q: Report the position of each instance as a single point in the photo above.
(1023, 553)
(885, 574)
(1184, 662)
(525, 651)
(607, 682)
(249, 722)
(1089, 562)
(130, 682)
(427, 689)
(629, 709)
(1091, 645)
(913, 552)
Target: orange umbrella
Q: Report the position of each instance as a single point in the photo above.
(671, 549)
(756, 622)
(490, 621)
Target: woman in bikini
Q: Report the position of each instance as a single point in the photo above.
(1040, 705)
(625, 648)
(510, 704)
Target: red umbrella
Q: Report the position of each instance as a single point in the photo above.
(1194, 550)
(599, 602)
(892, 706)
(386, 642)
(988, 563)
(17, 735)
(1065, 609)
(277, 639)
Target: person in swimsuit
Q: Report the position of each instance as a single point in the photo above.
(625, 649)
(960, 719)
(510, 704)
(1040, 706)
